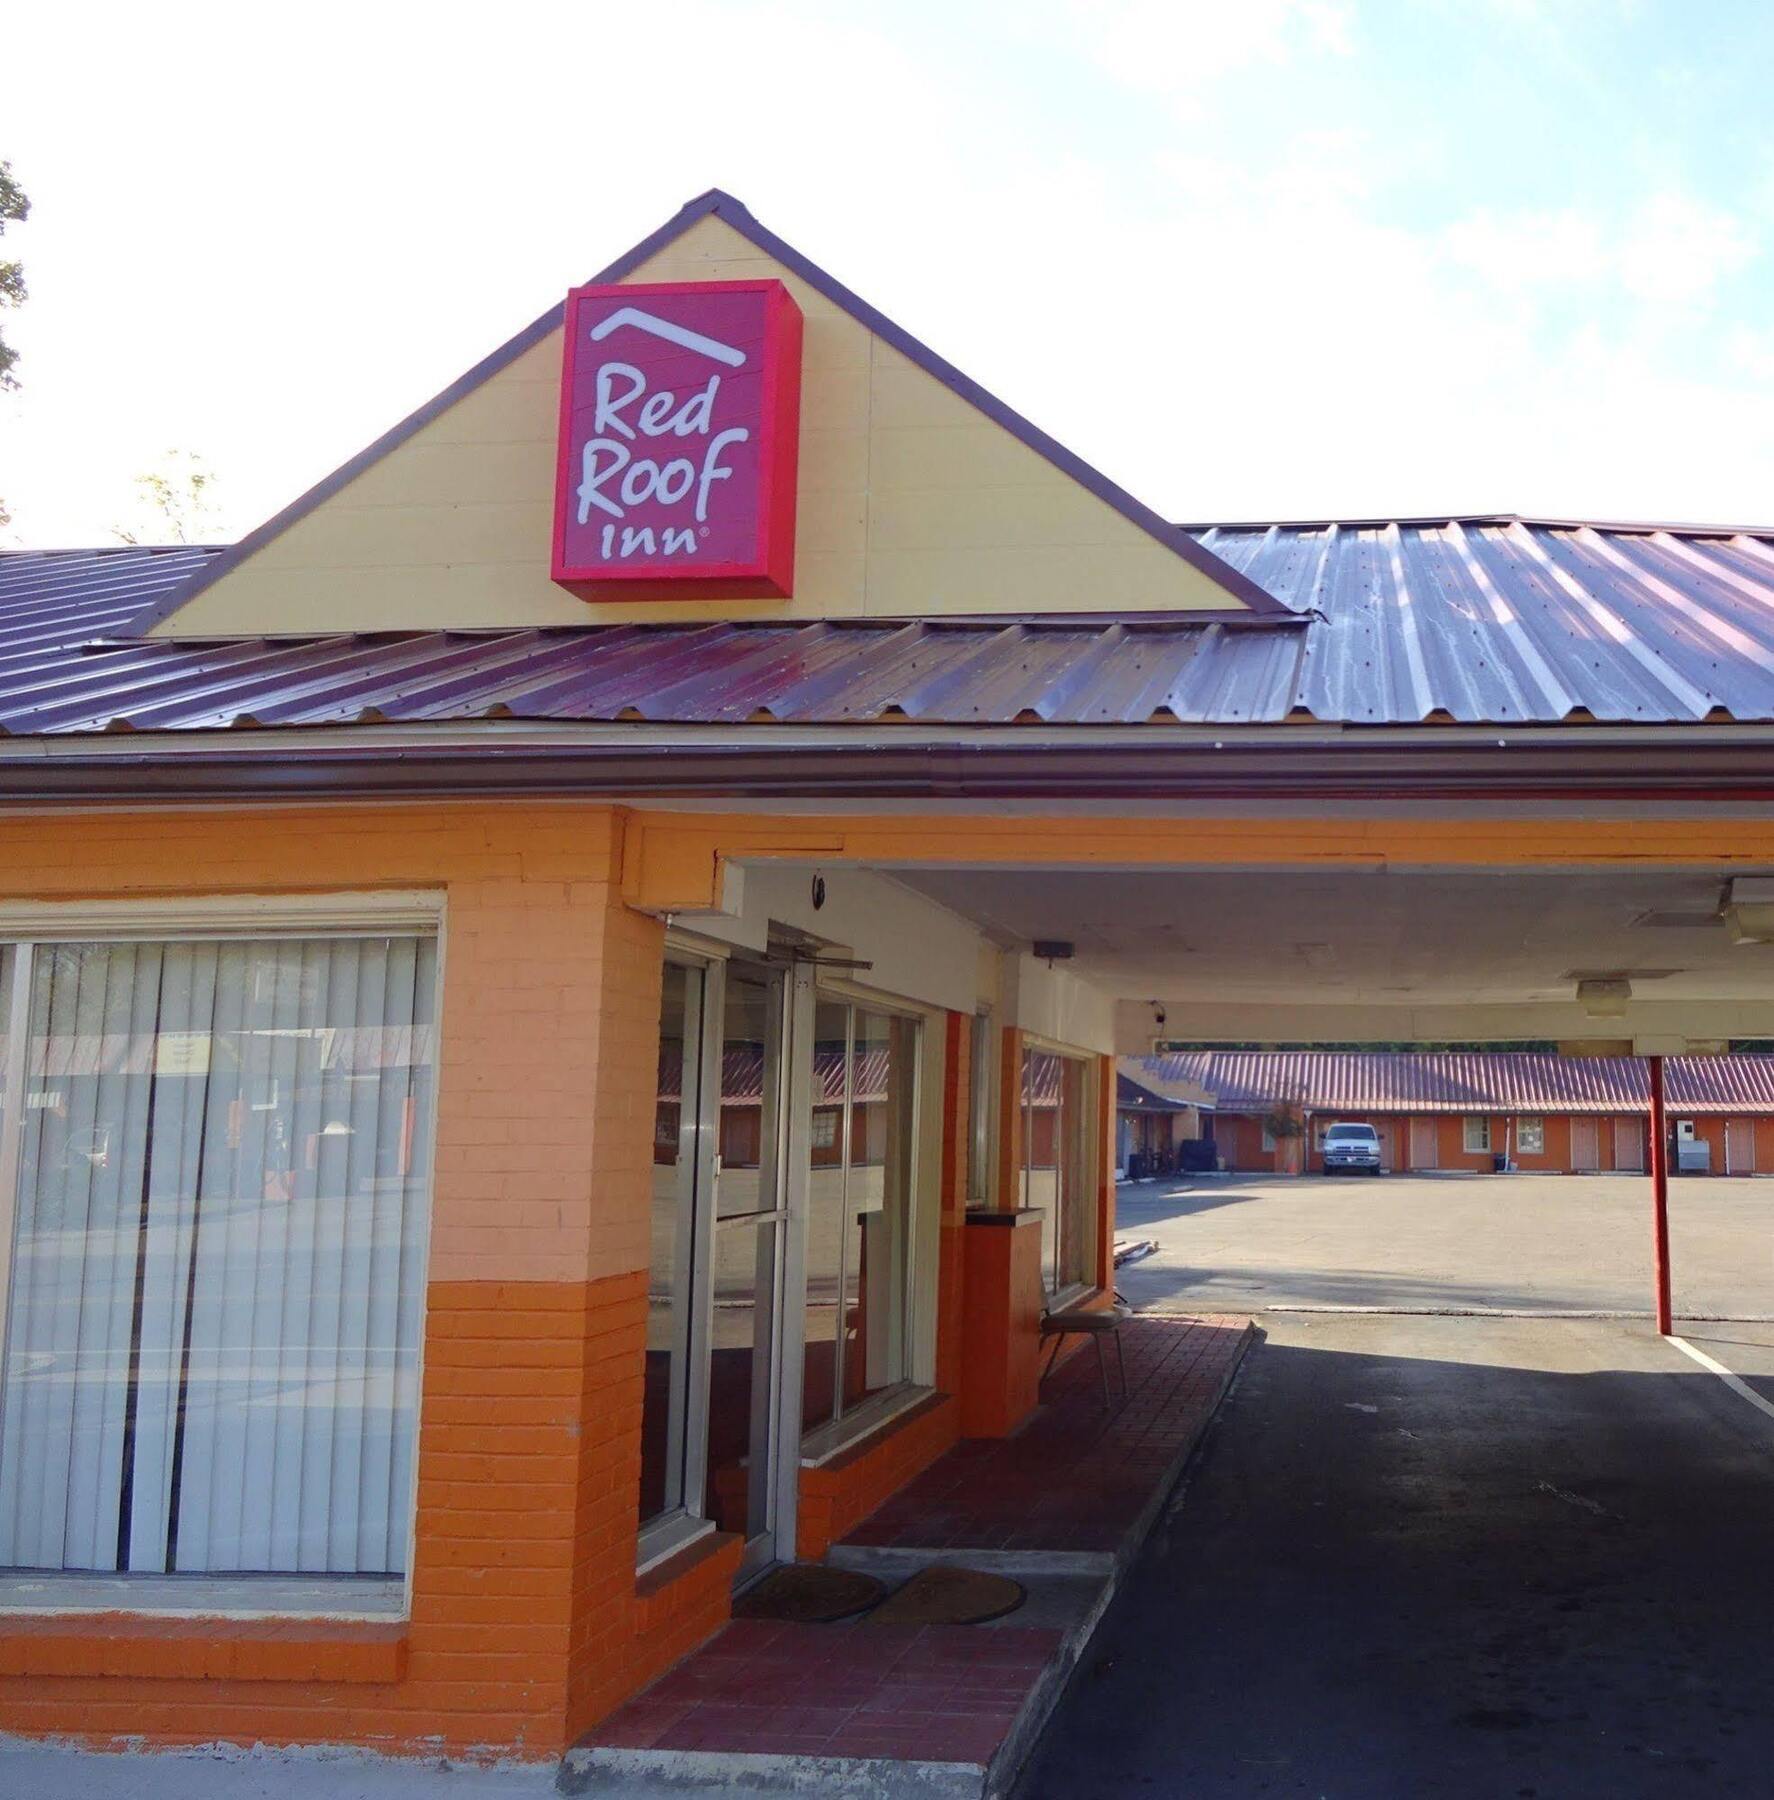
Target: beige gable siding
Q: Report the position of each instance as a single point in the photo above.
(910, 502)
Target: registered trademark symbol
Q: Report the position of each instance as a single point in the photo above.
(702, 531)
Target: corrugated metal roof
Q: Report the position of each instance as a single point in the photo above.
(1494, 621)
(1462, 1081)
(1147, 1095)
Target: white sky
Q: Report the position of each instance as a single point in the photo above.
(1268, 258)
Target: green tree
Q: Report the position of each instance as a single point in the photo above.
(14, 207)
(174, 502)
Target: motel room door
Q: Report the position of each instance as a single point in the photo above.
(1423, 1143)
(1586, 1151)
(1629, 1146)
(1740, 1146)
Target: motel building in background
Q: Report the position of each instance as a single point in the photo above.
(559, 1002)
(1459, 1111)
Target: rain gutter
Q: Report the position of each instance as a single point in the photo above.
(761, 762)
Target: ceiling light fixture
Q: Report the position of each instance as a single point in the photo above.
(1749, 910)
(1604, 996)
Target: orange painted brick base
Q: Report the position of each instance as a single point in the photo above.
(207, 1649)
(841, 1493)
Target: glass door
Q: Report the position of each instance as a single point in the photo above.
(750, 1233)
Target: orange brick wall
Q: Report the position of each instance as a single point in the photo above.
(1239, 1140)
(838, 1497)
(527, 1621)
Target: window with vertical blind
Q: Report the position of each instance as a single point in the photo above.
(214, 1199)
(1056, 1177)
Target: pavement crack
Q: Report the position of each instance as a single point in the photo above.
(1570, 1499)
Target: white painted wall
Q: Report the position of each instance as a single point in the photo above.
(1053, 1003)
(916, 948)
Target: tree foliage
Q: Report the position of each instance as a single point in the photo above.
(14, 206)
(175, 503)
(14, 209)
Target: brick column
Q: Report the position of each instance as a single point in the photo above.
(1002, 1277)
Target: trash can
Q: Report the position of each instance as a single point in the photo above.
(1499, 1162)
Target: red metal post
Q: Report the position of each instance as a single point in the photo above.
(1660, 1195)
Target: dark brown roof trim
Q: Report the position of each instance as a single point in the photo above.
(229, 765)
(734, 213)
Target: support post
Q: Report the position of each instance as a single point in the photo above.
(1660, 1196)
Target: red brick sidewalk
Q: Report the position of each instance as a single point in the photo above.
(1075, 1478)
(933, 1693)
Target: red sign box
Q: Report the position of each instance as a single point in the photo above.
(680, 430)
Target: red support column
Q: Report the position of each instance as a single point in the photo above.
(1660, 1195)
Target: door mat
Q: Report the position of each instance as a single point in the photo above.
(946, 1595)
(808, 1594)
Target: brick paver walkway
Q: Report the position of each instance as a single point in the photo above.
(941, 1693)
(1076, 1477)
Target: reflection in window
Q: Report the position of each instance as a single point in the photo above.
(860, 1207)
(217, 1257)
(1055, 1107)
(664, 1393)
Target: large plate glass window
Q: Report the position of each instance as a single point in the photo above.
(214, 1188)
(860, 1208)
(1056, 1121)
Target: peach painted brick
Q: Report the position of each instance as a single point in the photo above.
(526, 1621)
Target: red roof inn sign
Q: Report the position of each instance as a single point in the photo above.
(680, 424)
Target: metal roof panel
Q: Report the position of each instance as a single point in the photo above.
(1493, 620)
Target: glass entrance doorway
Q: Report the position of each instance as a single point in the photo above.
(750, 1228)
(714, 1402)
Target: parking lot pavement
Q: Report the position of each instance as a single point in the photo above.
(1746, 1349)
(1504, 1243)
(1468, 1558)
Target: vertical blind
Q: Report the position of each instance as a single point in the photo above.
(218, 1230)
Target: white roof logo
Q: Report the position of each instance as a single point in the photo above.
(673, 334)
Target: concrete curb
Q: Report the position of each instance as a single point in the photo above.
(1007, 1764)
(670, 1774)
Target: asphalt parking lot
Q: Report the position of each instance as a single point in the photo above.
(1468, 1558)
(1487, 1243)
(1446, 1538)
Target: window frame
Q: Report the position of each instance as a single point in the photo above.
(24, 925)
(1538, 1122)
(1082, 1159)
(982, 1069)
(699, 1140)
(1467, 1122)
(818, 1443)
